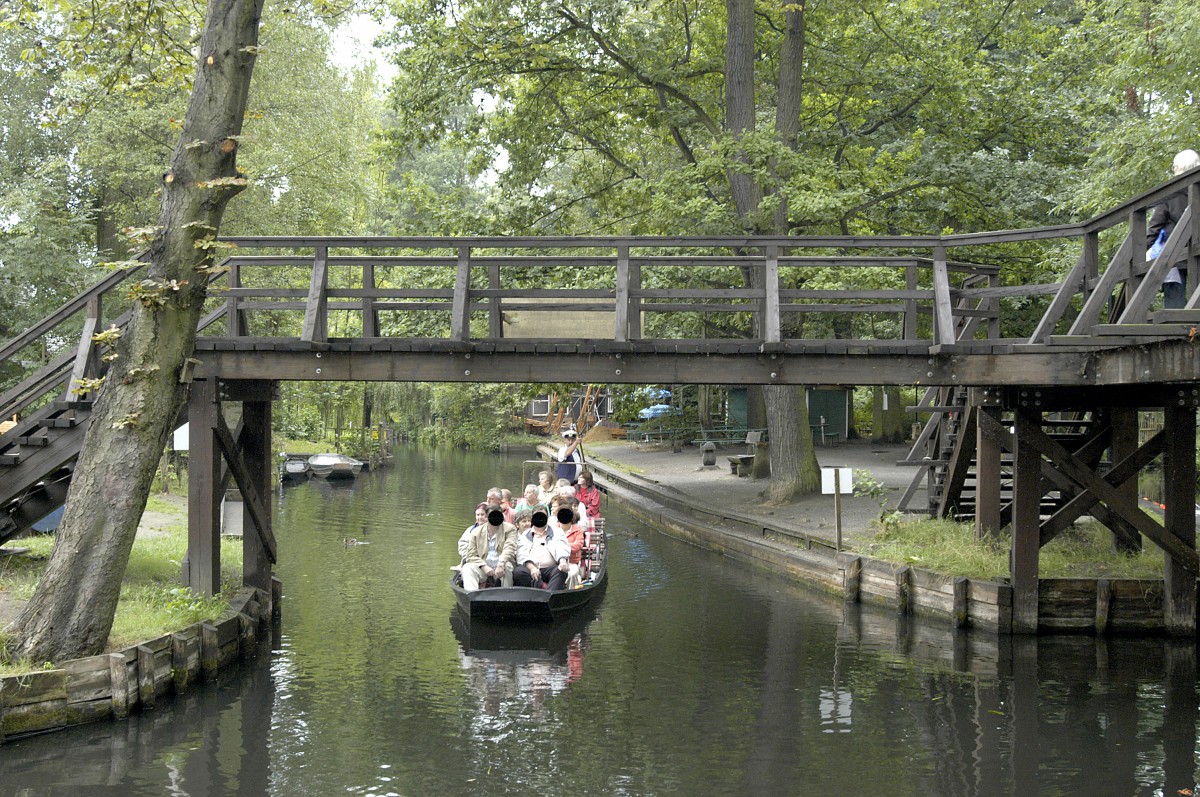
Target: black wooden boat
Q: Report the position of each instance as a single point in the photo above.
(531, 604)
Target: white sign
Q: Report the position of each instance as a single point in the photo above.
(180, 438)
(844, 476)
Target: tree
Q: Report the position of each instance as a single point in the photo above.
(666, 118)
(71, 612)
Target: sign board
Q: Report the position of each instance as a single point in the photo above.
(845, 480)
(179, 441)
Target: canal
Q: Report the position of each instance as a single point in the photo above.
(693, 675)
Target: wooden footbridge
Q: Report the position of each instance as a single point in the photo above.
(1032, 390)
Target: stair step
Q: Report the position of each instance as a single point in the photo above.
(10, 459)
(931, 462)
(33, 441)
(74, 404)
(61, 423)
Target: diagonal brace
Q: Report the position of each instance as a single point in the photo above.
(1084, 476)
(247, 486)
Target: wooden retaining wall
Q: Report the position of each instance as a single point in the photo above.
(1100, 606)
(111, 685)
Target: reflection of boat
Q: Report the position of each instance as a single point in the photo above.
(531, 604)
(505, 641)
(333, 466)
(295, 469)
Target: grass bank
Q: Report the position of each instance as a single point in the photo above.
(152, 601)
(1085, 551)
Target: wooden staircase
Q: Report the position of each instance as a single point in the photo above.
(37, 459)
(945, 452)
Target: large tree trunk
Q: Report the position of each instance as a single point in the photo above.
(71, 612)
(887, 423)
(794, 469)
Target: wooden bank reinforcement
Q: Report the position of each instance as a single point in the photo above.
(1094, 605)
(111, 685)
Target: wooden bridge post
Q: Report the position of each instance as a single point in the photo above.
(1124, 424)
(234, 325)
(316, 313)
(203, 564)
(370, 316)
(254, 444)
(495, 319)
(772, 331)
(943, 312)
(911, 283)
(460, 312)
(1193, 260)
(622, 299)
(988, 452)
(1026, 523)
(1179, 495)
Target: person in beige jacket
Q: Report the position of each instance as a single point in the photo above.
(488, 550)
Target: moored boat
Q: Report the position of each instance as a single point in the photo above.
(334, 466)
(532, 604)
(295, 469)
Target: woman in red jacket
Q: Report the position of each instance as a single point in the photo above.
(588, 494)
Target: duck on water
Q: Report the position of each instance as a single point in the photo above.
(536, 571)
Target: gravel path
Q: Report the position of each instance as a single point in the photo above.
(685, 473)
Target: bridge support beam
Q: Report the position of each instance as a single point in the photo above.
(202, 567)
(1026, 522)
(249, 463)
(1179, 495)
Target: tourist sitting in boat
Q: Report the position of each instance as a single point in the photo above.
(574, 532)
(546, 488)
(567, 495)
(488, 550)
(588, 494)
(529, 499)
(495, 497)
(543, 556)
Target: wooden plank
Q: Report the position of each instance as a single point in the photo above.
(1070, 286)
(120, 684)
(316, 313)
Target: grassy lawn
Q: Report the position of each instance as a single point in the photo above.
(944, 546)
(152, 601)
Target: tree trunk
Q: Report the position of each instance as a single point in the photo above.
(71, 613)
(887, 423)
(794, 469)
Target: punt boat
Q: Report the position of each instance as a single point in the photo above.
(532, 604)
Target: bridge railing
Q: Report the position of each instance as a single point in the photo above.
(753, 288)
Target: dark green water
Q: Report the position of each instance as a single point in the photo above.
(693, 676)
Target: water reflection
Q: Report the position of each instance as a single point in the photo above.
(695, 675)
(515, 670)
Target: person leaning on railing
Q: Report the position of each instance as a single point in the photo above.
(1163, 219)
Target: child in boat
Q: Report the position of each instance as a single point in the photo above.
(543, 556)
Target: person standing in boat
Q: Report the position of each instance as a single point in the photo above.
(543, 556)
(488, 550)
(570, 457)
